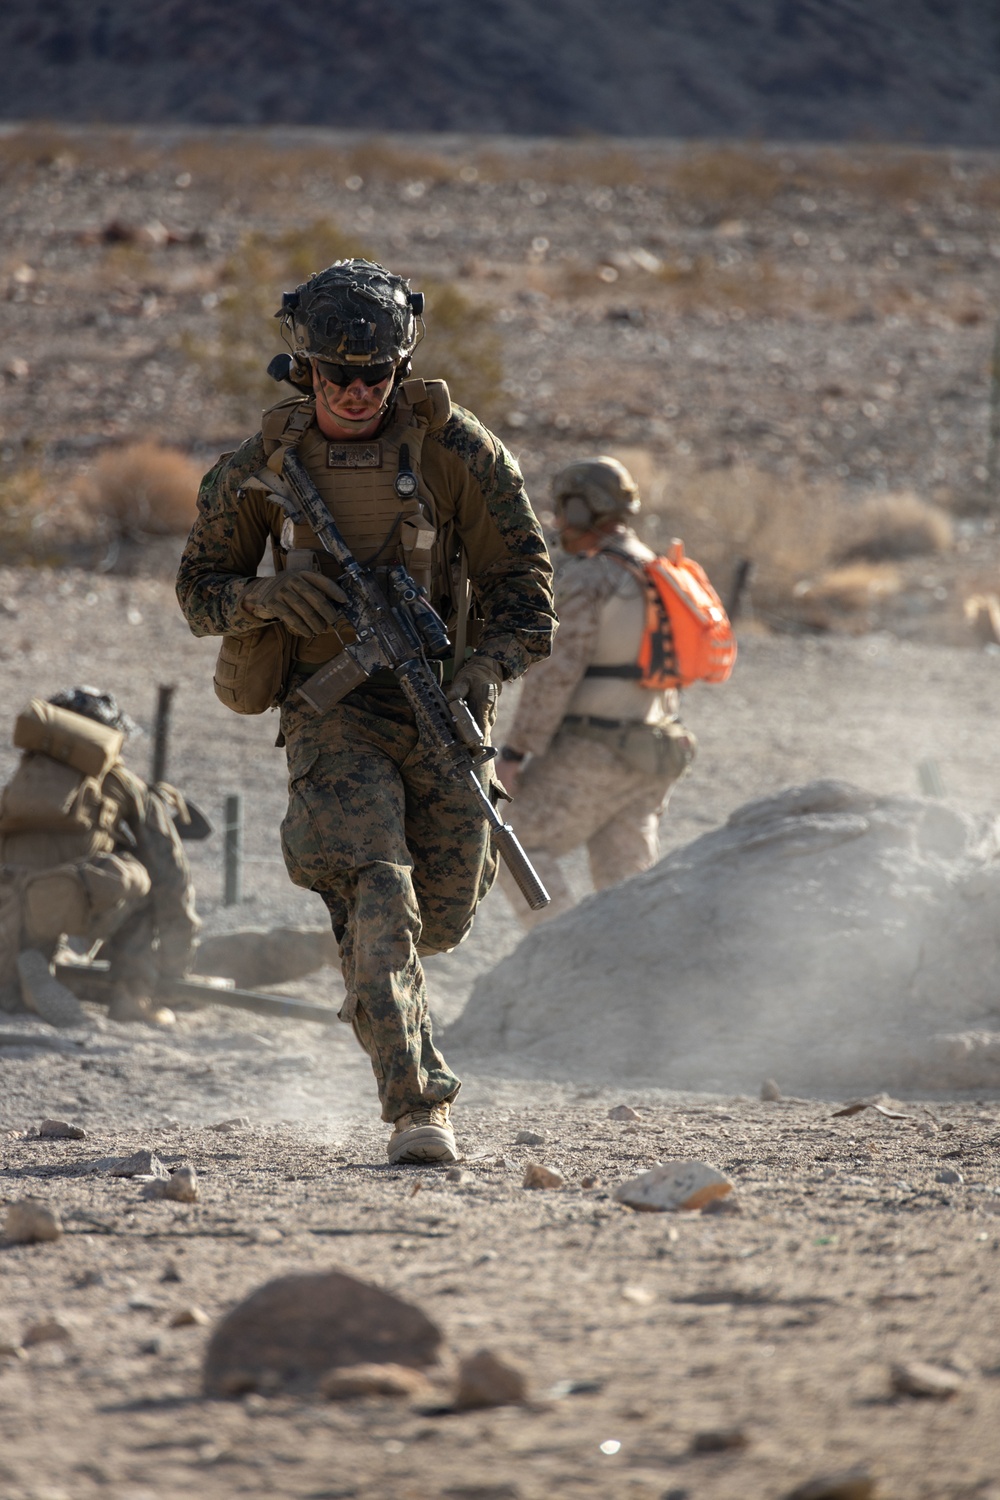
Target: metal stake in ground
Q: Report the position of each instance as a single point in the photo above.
(161, 731)
(993, 455)
(232, 851)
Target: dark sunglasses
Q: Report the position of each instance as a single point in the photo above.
(347, 374)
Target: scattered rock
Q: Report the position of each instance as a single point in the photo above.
(640, 1295)
(674, 1185)
(139, 1164)
(60, 1130)
(484, 1379)
(537, 1176)
(590, 1182)
(857, 1105)
(528, 1138)
(948, 1174)
(623, 1112)
(9, 1349)
(171, 1272)
(227, 1127)
(914, 1378)
(719, 1440)
(181, 1186)
(769, 1091)
(49, 1331)
(849, 1484)
(30, 1221)
(188, 1317)
(723, 1206)
(457, 1174)
(289, 1333)
(372, 1380)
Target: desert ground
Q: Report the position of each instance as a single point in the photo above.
(668, 317)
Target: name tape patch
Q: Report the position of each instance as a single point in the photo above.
(354, 456)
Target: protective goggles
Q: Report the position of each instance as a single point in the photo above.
(348, 374)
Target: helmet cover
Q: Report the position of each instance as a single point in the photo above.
(93, 704)
(595, 488)
(355, 312)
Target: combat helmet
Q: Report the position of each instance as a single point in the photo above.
(353, 313)
(93, 704)
(593, 490)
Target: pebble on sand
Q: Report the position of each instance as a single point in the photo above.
(915, 1378)
(290, 1332)
(769, 1091)
(181, 1186)
(49, 1331)
(623, 1112)
(139, 1164)
(857, 1483)
(674, 1185)
(529, 1138)
(537, 1176)
(484, 1379)
(372, 1380)
(188, 1317)
(61, 1130)
(30, 1221)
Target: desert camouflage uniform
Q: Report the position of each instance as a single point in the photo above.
(129, 889)
(397, 853)
(582, 784)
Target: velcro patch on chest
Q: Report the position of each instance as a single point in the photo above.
(354, 456)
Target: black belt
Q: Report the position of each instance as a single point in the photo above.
(594, 721)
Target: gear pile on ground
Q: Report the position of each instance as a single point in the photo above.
(824, 936)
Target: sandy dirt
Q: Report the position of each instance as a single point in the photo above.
(781, 1321)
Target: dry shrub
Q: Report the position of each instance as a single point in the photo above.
(254, 168)
(26, 499)
(853, 589)
(879, 173)
(462, 347)
(784, 526)
(142, 490)
(895, 526)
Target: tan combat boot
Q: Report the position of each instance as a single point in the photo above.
(128, 1004)
(44, 994)
(424, 1135)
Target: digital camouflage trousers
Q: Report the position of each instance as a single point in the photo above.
(401, 857)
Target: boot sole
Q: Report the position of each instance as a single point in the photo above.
(425, 1143)
(46, 996)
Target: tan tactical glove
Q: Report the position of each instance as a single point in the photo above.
(478, 682)
(305, 603)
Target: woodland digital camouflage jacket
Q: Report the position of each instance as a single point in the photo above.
(477, 487)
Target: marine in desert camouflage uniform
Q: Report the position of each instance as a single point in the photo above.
(89, 851)
(591, 756)
(396, 851)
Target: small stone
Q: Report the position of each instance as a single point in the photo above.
(623, 1112)
(537, 1176)
(181, 1186)
(528, 1138)
(589, 1182)
(227, 1127)
(30, 1221)
(152, 1346)
(139, 1164)
(188, 1317)
(948, 1174)
(723, 1206)
(641, 1296)
(61, 1130)
(9, 1349)
(848, 1484)
(49, 1331)
(484, 1379)
(372, 1380)
(769, 1091)
(457, 1174)
(915, 1378)
(674, 1185)
(719, 1440)
(289, 1333)
(171, 1272)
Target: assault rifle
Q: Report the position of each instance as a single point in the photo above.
(399, 632)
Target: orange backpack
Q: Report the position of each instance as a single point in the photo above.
(688, 636)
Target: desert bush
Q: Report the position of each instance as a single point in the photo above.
(895, 526)
(142, 490)
(726, 178)
(26, 499)
(462, 347)
(854, 589)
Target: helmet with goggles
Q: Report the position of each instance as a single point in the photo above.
(355, 318)
(94, 704)
(594, 490)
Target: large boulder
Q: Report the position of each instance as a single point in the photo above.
(257, 957)
(822, 936)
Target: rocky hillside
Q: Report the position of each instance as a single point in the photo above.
(906, 70)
